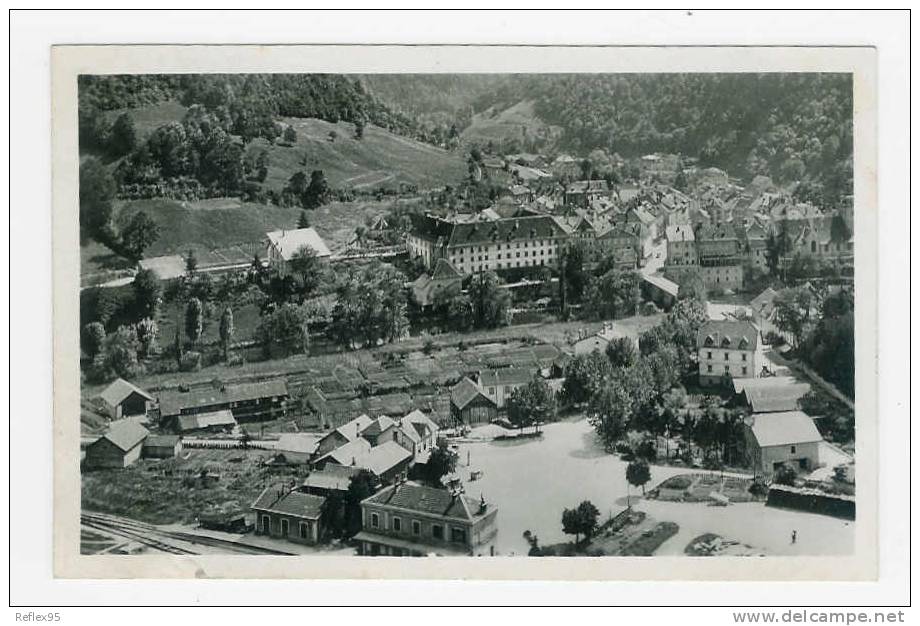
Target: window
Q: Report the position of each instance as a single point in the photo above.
(744, 356)
(397, 524)
(709, 355)
(792, 450)
(375, 520)
(726, 356)
(437, 531)
(709, 368)
(266, 524)
(458, 535)
(491, 391)
(285, 526)
(304, 530)
(726, 369)
(744, 370)
(416, 527)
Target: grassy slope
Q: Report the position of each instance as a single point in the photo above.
(380, 158)
(223, 223)
(507, 124)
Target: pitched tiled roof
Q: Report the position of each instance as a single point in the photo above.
(511, 229)
(276, 499)
(119, 390)
(352, 430)
(730, 334)
(289, 242)
(505, 376)
(161, 441)
(125, 434)
(384, 457)
(349, 453)
(783, 429)
(776, 398)
(197, 421)
(173, 403)
(297, 442)
(414, 497)
(465, 392)
(332, 477)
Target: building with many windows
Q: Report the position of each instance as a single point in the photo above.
(291, 515)
(720, 256)
(727, 348)
(409, 519)
(515, 242)
(681, 245)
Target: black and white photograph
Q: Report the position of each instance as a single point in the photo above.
(517, 315)
(364, 309)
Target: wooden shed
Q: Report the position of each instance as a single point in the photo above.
(469, 405)
(122, 399)
(119, 447)
(162, 446)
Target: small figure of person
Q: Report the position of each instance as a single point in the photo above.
(794, 535)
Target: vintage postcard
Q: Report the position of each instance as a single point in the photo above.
(522, 313)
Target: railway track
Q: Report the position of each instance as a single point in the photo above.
(129, 531)
(163, 540)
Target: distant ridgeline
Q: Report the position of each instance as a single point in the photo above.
(795, 128)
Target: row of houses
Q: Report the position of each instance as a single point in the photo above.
(401, 519)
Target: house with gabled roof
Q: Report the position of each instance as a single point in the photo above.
(282, 245)
(123, 399)
(774, 439)
(499, 383)
(410, 519)
(119, 447)
(470, 405)
(426, 286)
(727, 348)
(290, 515)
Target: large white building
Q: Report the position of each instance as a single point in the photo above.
(527, 241)
(727, 347)
(282, 245)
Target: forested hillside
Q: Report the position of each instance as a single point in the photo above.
(248, 101)
(789, 126)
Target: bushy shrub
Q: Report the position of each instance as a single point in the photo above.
(190, 362)
(235, 360)
(785, 475)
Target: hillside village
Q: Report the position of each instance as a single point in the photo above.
(636, 351)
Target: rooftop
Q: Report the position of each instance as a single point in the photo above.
(175, 402)
(125, 434)
(119, 390)
(288, 242)
(728, 334)
(415, 497)
(465, 392)
(198, 421)
(784, 428)
(505, 376)
(276, 499)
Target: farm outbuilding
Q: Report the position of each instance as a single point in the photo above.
(162, 446)
(469, 405)
(786, 437)
(119, 447)
(122, 399)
